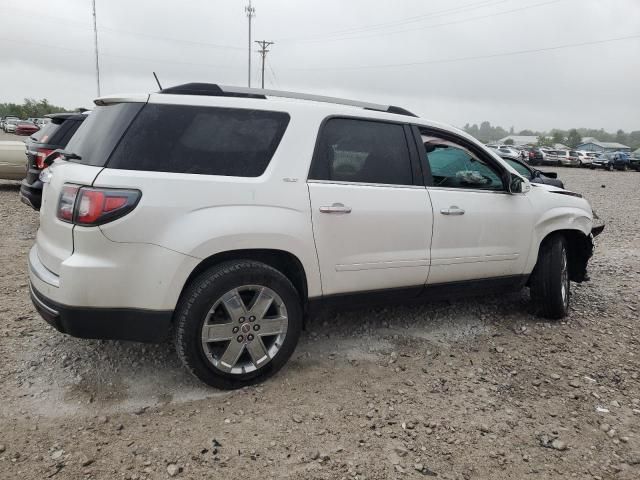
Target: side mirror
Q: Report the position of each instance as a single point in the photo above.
(550, 174)
(518, 185)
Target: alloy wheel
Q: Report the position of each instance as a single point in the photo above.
(244, 329)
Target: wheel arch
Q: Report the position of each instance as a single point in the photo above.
(579, 251)
(283, 261)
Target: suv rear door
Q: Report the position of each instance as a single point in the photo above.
(371, 214)
(93, 143)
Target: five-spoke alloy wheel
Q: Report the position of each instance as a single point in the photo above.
(237, 324)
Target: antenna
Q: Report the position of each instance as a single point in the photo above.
(157, 81)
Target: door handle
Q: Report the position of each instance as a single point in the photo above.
(452, 210)
(338, 208)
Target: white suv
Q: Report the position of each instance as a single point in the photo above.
(224, 215)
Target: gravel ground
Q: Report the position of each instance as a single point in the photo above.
(475, 389)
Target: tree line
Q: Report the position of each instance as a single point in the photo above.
(486, 133)
(30, 108)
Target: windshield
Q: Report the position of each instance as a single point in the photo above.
(518, 167)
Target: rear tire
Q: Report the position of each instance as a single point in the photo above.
(262, 312)
(549, 283)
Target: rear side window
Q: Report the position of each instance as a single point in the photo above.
(72, 127)
(362, 151)
(46, 132)
(100, 132)
(201, 140)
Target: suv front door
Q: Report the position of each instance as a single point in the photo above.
(372, 219)
(480, 231)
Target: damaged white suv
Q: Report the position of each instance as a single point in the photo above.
(223, 215)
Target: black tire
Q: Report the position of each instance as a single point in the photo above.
(549, 277)
(610, 167)
(198, 299)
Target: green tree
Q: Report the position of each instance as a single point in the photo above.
(544, 141)
(574, 139)
(30, 108)
(557, 136)
(622, 137)
(509, 141)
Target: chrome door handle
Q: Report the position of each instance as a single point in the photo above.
(452, 210)
(336, 208)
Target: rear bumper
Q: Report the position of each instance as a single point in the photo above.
(31, 194)
(104, 323)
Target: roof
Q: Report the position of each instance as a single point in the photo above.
(214, 90)
(520, 139)
(588, 140)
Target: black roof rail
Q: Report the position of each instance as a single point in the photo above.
(212, 89)
(207, 89)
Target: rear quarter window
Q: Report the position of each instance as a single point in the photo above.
(201, 140)
(98, 135)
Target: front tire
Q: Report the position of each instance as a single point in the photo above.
(237, 324)
(549, 284)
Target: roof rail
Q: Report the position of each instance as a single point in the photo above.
(212, 89)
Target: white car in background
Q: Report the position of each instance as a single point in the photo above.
(10, 124)
(585, 158)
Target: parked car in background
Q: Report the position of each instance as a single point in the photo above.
(10, 124)
(11, 160)
(26, 128)
(508, 151)
(4, 120)
(612, 161)
(567, 158)
(584, 158)
(54, 135)
(533, 175)
(41, 122)
(536, 156)
(220, 215)
(549, 157)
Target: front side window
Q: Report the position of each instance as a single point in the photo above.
(454, 166)
(362, 151)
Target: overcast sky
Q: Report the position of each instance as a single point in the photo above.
(442, 59)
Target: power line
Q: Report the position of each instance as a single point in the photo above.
(110, 30)
(454, 22)
(449, 11)
(51, 48)
(263, 52)
(273, 74)
(478, 57)
(170, 39)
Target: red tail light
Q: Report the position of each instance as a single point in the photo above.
(90, 206)
(41, 155)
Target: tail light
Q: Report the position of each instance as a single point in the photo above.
(89, 206)
(41, 154)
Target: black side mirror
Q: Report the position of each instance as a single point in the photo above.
(550, 174)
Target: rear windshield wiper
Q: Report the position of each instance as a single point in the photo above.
(69, 155)
(61, 153)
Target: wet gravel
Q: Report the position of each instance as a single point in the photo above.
(475, 389)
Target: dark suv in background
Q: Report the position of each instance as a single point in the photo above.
(54, 135)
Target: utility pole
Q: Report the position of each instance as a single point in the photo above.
(264, 44)
(95, 37)
(251, 12)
